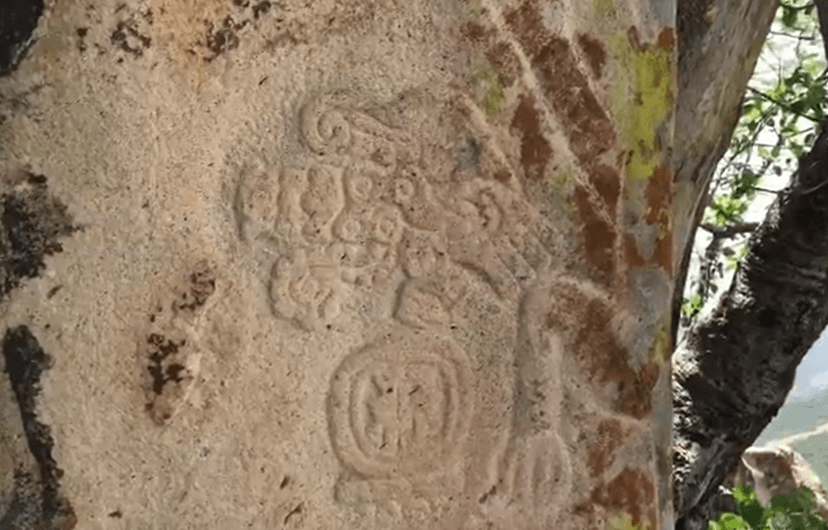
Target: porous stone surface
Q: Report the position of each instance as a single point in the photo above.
(778, 470)
(341, 264)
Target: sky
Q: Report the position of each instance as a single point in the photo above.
(812, 373)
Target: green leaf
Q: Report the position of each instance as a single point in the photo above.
(788, 16)
(731, 521)
(690, 307)
(745, 183)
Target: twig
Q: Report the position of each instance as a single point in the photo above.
(729, 230)
(783, 105)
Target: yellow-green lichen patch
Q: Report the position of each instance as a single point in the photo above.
(493, 98)
(475, 11)
(488, 88)
(624, 522)
(642, 100)
(661, 344)
(665, 222)
(559, 189)
(603, 7)
(562, 178)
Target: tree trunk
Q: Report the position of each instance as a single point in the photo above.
(734, 370)
(736, 367)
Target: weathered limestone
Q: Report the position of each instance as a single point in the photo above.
(778, 470)
(350, 264)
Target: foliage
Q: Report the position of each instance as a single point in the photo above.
(734, 257)
(779, 118)
(787, 511)
(789, 110)
(692, 306)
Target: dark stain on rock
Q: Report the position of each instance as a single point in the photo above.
(201, 285)
(632, 255)
(160, 348)
(628, 493)
(223, 38)
(587, 327)
(535, 151)
(474, 33)
(525, 22)
(502, 176)
(18, 21)
(598, 239)
(692, 25)
(40, 499)
(602, 444)
(31, 222)
(635, 39)
(467, 154)
(504, 61)
(588, 128)
(260, 9)
(666, 38)
(595, 54)
(607, 183)
(127, 37)
(82, 32)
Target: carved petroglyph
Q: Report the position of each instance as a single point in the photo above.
(399, 411)
(367, 209)
(304, 290)
(402, 406)
(370, 205)
(534, 469)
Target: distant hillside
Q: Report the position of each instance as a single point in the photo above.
(803, 423)
(797, 417)
(814, 450)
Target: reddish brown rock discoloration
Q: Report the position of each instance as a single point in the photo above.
(525, 22)
(635, 40)
(632, 254)
(535, 151)
(602, 444)
(629, 493)
(666, 38)
(586, 323)
(598, 238)
(504, 61)
(475, 33)
(590, 131)
(607, 183)
(594, 51)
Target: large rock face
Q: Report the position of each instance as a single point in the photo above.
(340, 264)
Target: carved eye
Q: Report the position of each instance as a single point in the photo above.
(384, 155)
(386, 221)
(360, 188)
(403, 191)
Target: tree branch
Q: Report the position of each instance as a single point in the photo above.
(782, 105)
(729, 230)
(822, 14)
(735, 368)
